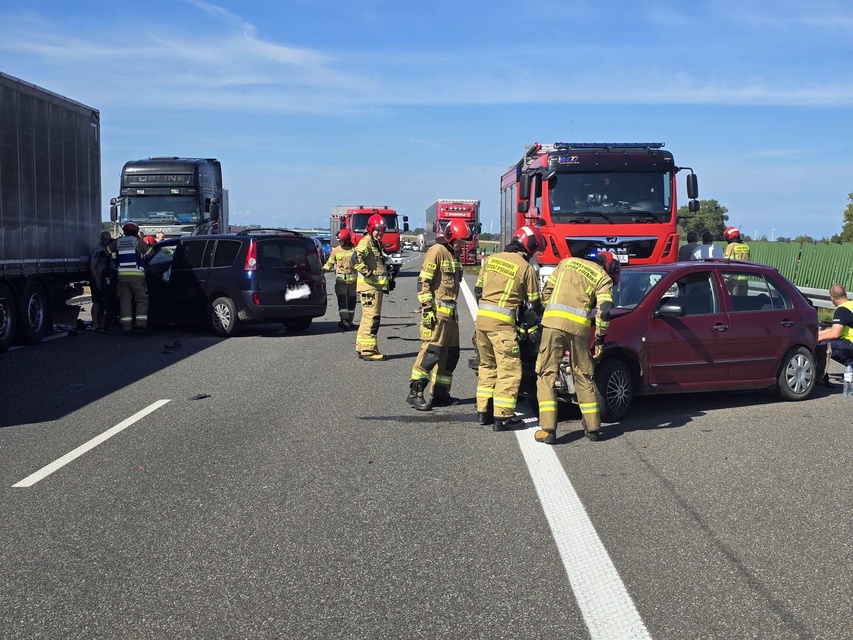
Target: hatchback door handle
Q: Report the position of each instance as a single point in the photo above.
(720, 327)
(787, 323)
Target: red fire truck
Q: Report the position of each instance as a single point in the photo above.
(441, 212)
(590, 197)
(354, 218)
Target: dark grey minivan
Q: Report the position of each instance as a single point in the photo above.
(227, 280)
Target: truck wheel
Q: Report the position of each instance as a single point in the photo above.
(34, 314)
(797, 375)
(7, 318)
(223, 317)
(615, 387)
(297, 324)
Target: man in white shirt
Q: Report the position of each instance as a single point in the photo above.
(707, 249)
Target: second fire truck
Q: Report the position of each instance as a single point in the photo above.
(441, 212)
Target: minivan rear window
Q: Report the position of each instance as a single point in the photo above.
(226, 252)
(289, 253)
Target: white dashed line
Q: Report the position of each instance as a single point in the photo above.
(42, 473)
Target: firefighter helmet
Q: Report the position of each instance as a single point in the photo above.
(610, 265)
(530, 239)
(344, 236)
(376, 222)
(130, 229)
(457, 230)
(731, 234)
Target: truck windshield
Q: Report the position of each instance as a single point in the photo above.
(359, 222)
(613, 197)
(160, 210)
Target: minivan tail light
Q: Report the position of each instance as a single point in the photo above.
(256, 298)
(251, 257)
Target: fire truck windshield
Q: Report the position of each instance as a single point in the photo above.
(615, 197)
(359, 222)
(160, 210)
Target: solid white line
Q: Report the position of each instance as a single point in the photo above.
(42, 473)
(604, 602)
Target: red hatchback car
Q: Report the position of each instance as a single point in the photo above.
(713, 325)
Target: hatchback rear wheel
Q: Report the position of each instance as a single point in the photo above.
(797, 375)
(223, 317)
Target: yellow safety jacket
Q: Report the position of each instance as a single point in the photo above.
(507, 281)
(574, 295)
(847, 332)
(440, 276)
(372, 274)
(737, 251)
(343, 262)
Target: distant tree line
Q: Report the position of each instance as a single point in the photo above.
(713, 217)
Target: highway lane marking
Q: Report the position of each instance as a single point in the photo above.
(604, 602)
(57, 464)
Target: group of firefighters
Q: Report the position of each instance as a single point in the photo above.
(507, 287)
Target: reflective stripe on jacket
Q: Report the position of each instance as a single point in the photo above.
(574, 294)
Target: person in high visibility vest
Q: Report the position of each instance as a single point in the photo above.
(578, 290)
(440, 277)
(131, 252)
(839, 335)
(342, 259)
(736, 249)
(372, 285)
(506, 282)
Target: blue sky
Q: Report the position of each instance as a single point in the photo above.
(312, 103)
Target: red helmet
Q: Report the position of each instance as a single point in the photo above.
(149, 240)
(344, 235)
(457, 230)
(610, 264)
(530, 239)
(731, 234)
(130, 229)
(376, 222)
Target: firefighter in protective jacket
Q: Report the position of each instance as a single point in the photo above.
(132, 291)
(440, 278)
(342, 259)
(506, 283)
(736, 249)
(578, 290)
(372, 284)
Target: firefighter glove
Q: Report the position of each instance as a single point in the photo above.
(428, 320)
(597, 352)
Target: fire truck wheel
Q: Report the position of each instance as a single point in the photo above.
(7, 318)
(34, 314)
(615, 386)
(223, 317)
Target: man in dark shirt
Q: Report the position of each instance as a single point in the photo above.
(839, 335)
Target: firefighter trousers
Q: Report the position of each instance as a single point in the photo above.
(439, 354)
(345, 294)
(371, 315)
(553, 345)
(133, 302)
(499, 373)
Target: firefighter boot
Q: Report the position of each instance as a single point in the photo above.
(416, 395)
(507, 424)
(441, 397)
(545, 436)
(487, 416)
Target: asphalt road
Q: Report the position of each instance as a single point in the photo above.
(303, 498)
